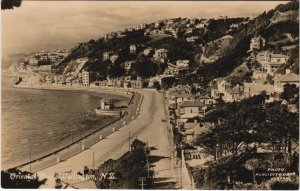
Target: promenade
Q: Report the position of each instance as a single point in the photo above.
(147, 127)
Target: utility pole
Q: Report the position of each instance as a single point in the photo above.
(142, 179)
(129, 143)
(93, 160)
(29, 158)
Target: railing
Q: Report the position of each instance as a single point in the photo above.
(78, 140)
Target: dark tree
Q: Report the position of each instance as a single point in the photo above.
(10, 4)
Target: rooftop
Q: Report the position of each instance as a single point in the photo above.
(191, 104)
(258, 88)
(291, 77)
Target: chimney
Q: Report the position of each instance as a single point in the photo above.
(287, 71)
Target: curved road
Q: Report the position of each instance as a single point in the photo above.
(147, 127)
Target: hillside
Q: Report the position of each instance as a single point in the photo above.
(213, 47)
(261, 25)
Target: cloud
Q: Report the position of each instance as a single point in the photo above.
(10, 4)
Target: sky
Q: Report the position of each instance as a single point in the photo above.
(44, 25)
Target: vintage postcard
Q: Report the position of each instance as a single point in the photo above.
(188, 95)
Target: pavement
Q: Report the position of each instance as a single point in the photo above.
(148, 127)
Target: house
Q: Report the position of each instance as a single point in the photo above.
(139, 84)
(233, 94)
(33, 61)
(44, 69)
(181, 97)
(106, 55)
(221, 89)
(200, 26)
(218, 86)
(205, 100)
(257, 43)
(113, 58)
(143, 25)
(270, 62)
(127, 65)
(288, 78)
(103, 83)
(189, 30)
(182, 64)
(192, 107)
(147, 51)
(132, 49)
(160, 53)
(252, 89)
(192, 39)
(106, 104)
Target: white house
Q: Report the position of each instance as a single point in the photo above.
(182, 64)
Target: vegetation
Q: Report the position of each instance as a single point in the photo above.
(127, 169)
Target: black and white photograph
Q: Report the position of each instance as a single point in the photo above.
(154, 95)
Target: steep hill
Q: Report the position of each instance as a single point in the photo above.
(262, 25)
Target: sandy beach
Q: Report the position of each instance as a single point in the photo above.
(100, 91)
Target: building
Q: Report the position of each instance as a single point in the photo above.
(288, 78)
(189, 109)
(257, 43)
(218, 86)
(132, 49)
(147, 51)
(106, 55)
(113, 58)
(87, 77)
(205, 100)
(182, 64)
(270, 62)
(33, 61)
(181, 97)
(200, 26)
(252, 89)
(127, 65)
(221, 89)
(44, 69)
(160, 54)
(106, 104)
(192, 39)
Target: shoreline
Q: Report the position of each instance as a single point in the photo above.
(98, 91)
(92, 91)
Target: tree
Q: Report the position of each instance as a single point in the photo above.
(290, 93)
(10, 4)
(116, 70)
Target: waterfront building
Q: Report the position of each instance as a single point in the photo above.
(87, 77)
(106, 104)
